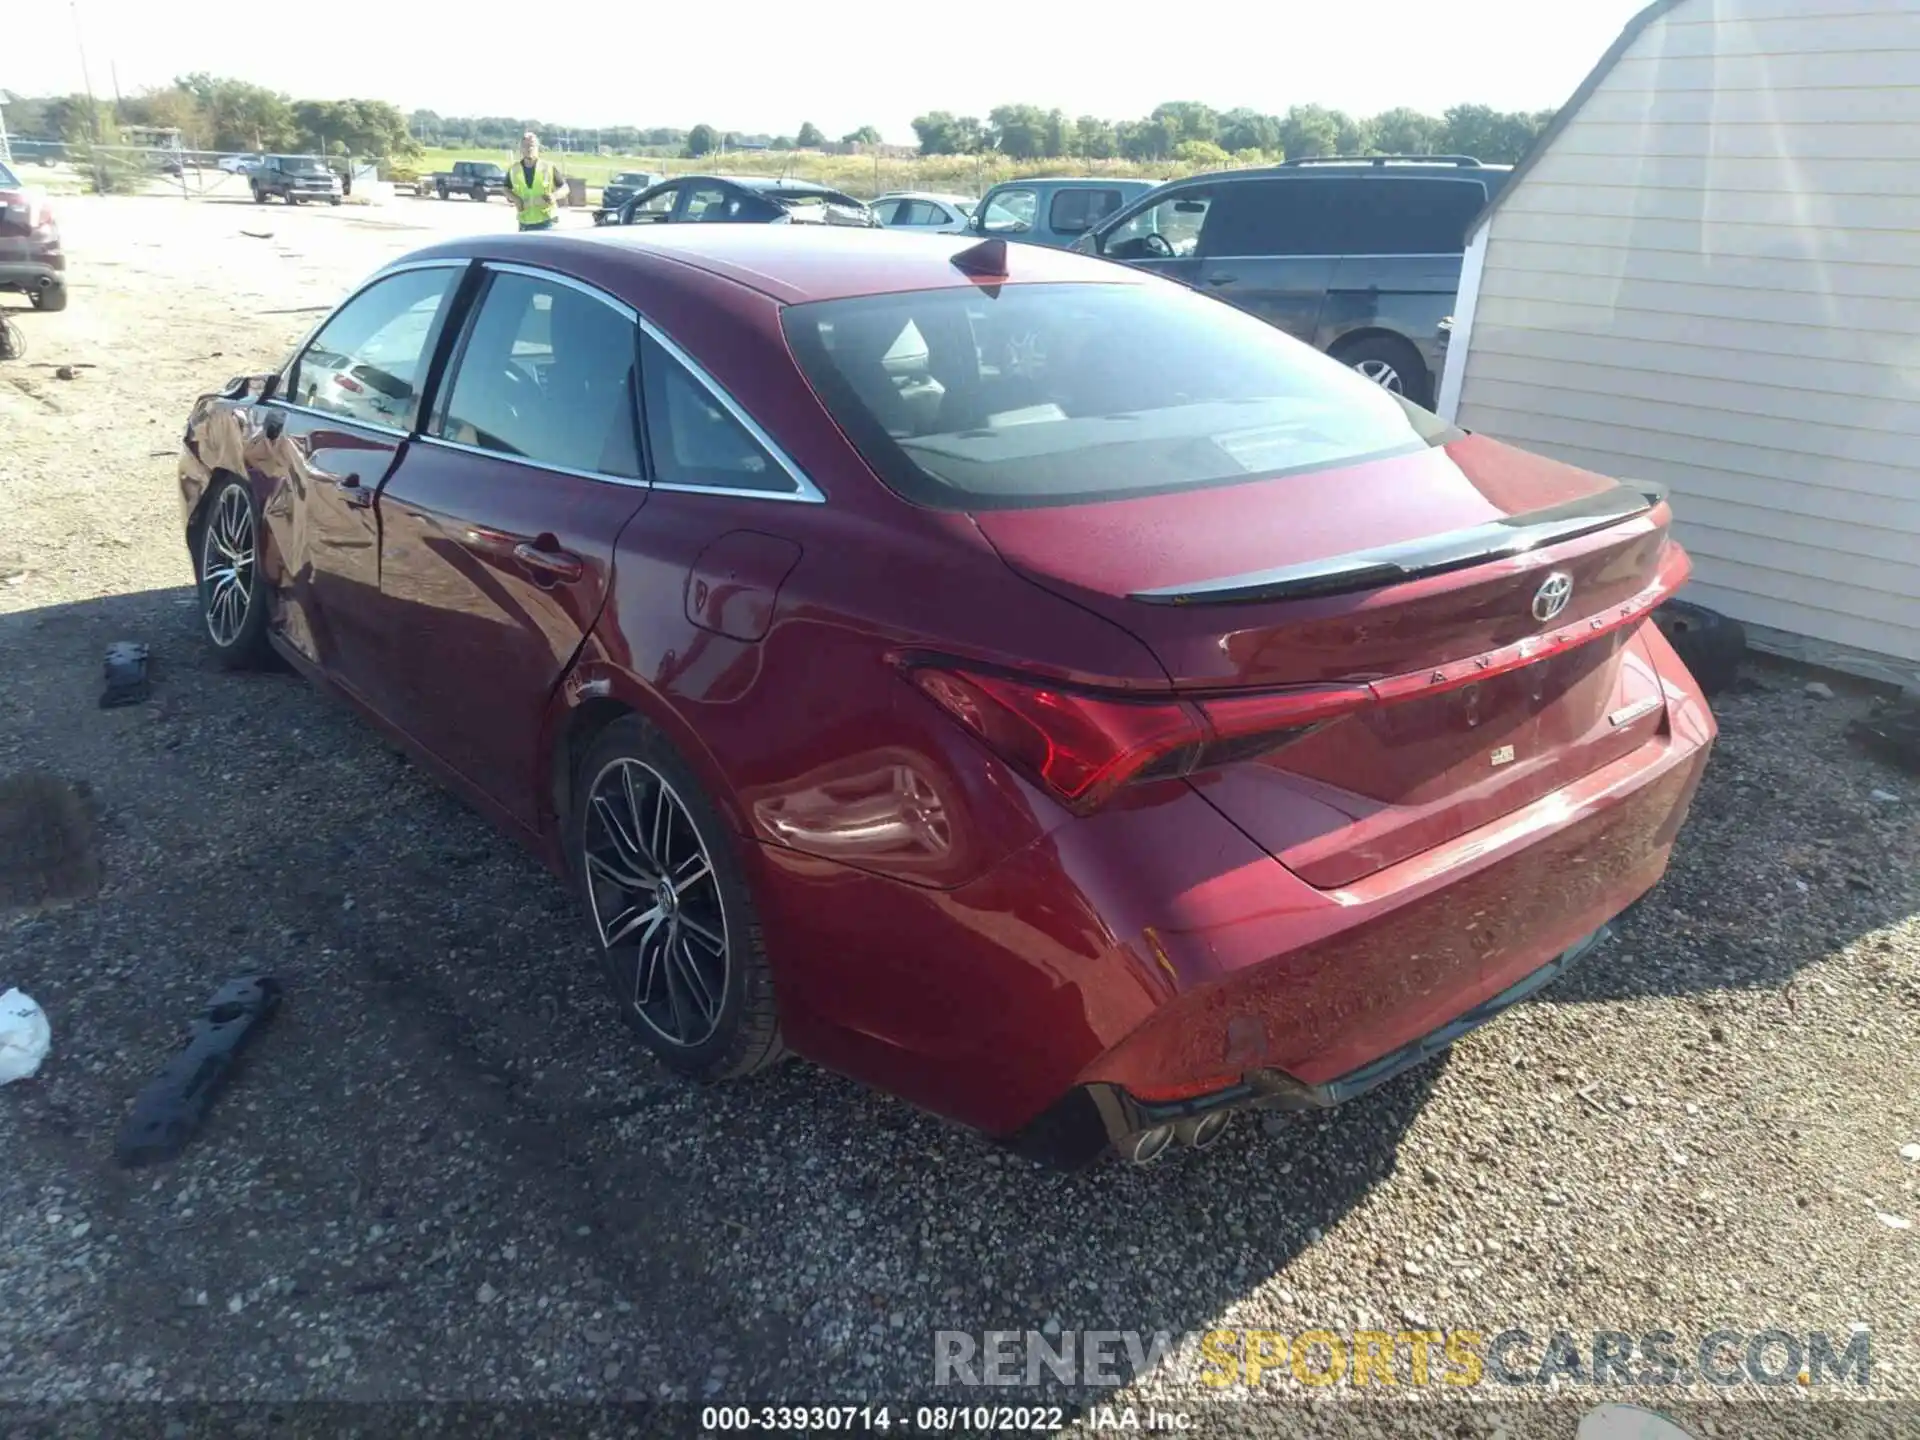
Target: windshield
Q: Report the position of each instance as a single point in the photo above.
(489, 171)
(1018, 395)
(632, 177)
(300, 165)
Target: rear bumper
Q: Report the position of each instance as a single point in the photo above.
(43, 270)
(1516, 904)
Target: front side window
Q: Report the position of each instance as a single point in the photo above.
(546, 375)
(980, 397)
(1073, 211)
(654, 208)
(1167, 231)
(1009, 212)
(693, 440)
(368, 361)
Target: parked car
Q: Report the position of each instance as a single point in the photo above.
(1007, 678)
(921, 210)
(1054, 211)
(744, 200)
(475, 179)
(294, 178)
(1359, 258)
(31, 260)
(620, 189)
(240, 164)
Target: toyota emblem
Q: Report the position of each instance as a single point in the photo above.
(1552, 596)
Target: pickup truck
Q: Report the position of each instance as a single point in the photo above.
(293, 178)
(476, 179)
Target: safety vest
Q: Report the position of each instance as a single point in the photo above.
(535, 200)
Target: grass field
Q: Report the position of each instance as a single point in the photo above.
(861, 175)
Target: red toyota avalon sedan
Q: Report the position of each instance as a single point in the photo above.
(1008, 678)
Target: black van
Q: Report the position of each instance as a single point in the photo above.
(1359, 258)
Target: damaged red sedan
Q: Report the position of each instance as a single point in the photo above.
(1010, 679)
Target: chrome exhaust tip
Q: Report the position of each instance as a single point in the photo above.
(1149, 1145)
(1205, 1131)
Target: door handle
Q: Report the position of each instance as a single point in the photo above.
(563, 565)
(1223, 280)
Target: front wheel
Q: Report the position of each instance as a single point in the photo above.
(259, 196)
(232, 600)
(670, 909)
(54, 297)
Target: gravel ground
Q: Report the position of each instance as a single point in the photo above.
(446, 1172)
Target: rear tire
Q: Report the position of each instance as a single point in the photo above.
(1391, 363)
(259, 195)
(53, 298)
(658, 870)
(226, 558)
(1708, 643)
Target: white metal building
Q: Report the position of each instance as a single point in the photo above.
(1708, 274)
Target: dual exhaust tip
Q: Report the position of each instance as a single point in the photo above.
(1198, 1133)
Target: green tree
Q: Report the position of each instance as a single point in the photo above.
(1408, 132)
(1203, 154)
(71, 119)
(1019, 131)
(702, 140)
(1245, 129)
(1187, 120)
(865, 135)
(1093, 139)
(809, 137)
(170, 108)
(1056, 142)
(1310, 130)
(242, 116)
(938, 133)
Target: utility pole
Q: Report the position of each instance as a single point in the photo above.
(86, 79)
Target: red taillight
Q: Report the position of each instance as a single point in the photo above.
(1085, 747)
(1080, 747)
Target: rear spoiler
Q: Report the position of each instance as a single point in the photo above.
(1430, 555)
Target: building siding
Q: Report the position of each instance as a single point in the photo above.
(1711, 278)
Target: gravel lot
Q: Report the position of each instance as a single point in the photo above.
(445, 1171)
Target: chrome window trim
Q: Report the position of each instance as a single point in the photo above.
(535, 272)
(1336, 255)
(805, 491)
(631, 481)
(387, 430)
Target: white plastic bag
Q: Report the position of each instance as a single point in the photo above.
(24, 1036)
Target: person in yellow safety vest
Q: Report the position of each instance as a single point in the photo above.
(535, 186)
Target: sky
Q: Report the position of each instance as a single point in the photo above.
(757, 66)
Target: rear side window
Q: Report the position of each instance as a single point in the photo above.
(1278, 217)
(1073, 211)
(1019, 395)
(1411, 217)
(694, 439)
(546, 375)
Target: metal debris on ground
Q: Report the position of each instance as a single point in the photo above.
(25, 1036)
(128, 682)
(176, 1101)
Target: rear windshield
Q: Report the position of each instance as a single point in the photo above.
(985, 397)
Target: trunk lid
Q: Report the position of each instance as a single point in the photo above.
(1424, 577)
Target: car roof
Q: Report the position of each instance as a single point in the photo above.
(764, 182)
(1373, 169)
(793, 264)
(1064, 180)
(946, 195)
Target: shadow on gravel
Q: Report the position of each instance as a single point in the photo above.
(447, 1170)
